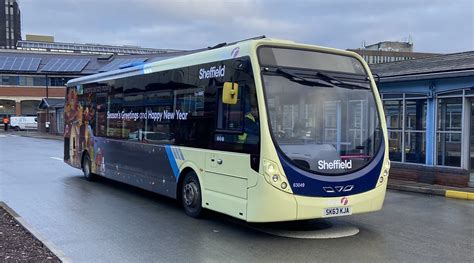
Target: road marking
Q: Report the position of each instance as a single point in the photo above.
(1, 136)
(316, 229)
(57, 158)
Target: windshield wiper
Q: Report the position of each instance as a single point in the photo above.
(304, 81)
(340, 83)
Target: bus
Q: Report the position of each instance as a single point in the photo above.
(263, 130)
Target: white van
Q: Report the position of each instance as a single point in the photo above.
(23, 123)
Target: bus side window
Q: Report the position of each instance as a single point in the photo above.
(230, 116)
(100, 127)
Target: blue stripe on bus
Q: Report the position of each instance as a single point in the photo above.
(172, 160)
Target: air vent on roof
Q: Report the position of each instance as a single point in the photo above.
(105, 57)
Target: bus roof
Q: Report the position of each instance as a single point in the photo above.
(219, 52)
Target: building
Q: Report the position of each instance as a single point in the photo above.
(10, 24)
(43, 44)
(429, 106)
(389, 51)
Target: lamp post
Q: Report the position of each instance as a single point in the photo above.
(47, 95)
(47, 85)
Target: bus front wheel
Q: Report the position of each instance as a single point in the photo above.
(86, 168)
(191, 195)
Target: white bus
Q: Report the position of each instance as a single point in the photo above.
(262, 130)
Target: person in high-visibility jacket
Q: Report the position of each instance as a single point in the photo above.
(251, 126)
(5, 122)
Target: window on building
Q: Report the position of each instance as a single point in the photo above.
(26, 81)
(415, 130)
(58, 81)
(449, 131)
(9, 80)
(394, 116)
(39, 81)
(406, 124)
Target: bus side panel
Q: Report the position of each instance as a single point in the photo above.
(142, 165)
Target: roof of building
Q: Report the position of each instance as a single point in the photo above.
(48, 103)
(34, 62)
(88, 48)
(450, 65)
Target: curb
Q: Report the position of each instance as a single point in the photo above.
(432, 191)
(41, 137)
(35, 233)
(460, 195)
(421, 190)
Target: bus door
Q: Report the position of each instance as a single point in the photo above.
(228, 168)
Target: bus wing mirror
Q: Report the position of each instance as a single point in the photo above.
(230, 93)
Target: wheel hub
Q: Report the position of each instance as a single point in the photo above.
(190, 194)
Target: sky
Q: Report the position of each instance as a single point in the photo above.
(439, 26)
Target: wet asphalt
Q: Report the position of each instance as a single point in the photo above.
(106, 221)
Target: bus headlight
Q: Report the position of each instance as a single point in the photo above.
(270, 168)
(273, 176)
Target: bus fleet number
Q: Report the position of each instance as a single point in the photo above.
(298, 185)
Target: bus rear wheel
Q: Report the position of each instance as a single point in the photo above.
(191, 195)
(86, 169)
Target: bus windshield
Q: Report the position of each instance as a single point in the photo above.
(323, 120)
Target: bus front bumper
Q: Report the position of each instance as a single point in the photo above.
(267, 204)
(314, 207)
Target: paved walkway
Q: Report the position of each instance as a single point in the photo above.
(33, 134)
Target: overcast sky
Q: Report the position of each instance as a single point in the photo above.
(443, 26)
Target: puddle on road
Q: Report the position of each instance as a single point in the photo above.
(315, 229)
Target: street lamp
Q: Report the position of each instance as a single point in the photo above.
(47, 95)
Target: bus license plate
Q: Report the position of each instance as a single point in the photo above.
(337, 211)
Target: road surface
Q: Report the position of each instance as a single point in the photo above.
(107, 221)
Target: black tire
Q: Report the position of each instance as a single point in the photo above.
(16, 128)
(86, 169)
(191, 197)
